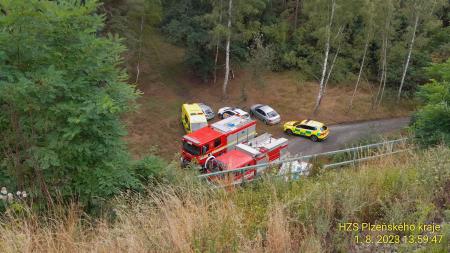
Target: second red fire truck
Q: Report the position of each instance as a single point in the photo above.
(260, 150)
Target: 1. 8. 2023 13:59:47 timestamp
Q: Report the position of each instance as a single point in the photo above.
(398, 239)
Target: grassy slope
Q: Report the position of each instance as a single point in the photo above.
(271, 216)
(167, 84)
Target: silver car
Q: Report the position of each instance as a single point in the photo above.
(209, 113)
(265, 113)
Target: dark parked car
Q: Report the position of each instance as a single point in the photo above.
(209, 113)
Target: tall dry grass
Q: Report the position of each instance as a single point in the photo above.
(268, 216)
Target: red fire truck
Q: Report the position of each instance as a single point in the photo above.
(216, 139)
(262, 149)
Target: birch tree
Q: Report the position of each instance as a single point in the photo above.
(368, 27)
(138, 64)
(297, 32)
(405, 68)
(385, 17)
(325, 58)
(418, 10)
(242, 27)
(216, 58)
(297, 10)
(361, 67)
(227, 50)
(338, 17)
(336, 54)
(383, 57)
(149, 13)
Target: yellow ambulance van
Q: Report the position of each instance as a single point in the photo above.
(192, 117)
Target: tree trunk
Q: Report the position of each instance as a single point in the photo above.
(359, 74)
(296, 14)
(405, 69)
(215, 61)
(384, 71)
(331, 67)
(227, 52)
(445, 18)
(217, 45)
(382, 74)
(325, 61)
(384, 85)
(322, 79)
(334, 59)
(383, 78)
(138, 68)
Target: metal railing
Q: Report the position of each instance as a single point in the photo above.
(387, 145)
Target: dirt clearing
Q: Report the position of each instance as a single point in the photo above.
(166, 84)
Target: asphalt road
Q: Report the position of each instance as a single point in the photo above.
(344, 134)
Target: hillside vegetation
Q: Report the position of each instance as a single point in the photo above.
(75, 75)
(387, 41)
(269, 216)
(167, 82)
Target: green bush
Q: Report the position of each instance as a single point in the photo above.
(431, 124)
(150, 168)
(62, 95)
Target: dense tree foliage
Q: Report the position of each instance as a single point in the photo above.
(432, 122)
(61, 96)
(201, 27)
(62, 89)
(296, 33)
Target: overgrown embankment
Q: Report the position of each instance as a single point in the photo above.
(268, 216)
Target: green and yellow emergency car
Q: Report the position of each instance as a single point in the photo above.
(315, 130)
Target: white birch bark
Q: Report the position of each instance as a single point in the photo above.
(331, 67)
(405, 69)
(361, 67)
(383, 88)
(217, 45)
(227, 51)
(383, 78)
(384, 71)
(334, 59)
(138, 65)
(325, 61)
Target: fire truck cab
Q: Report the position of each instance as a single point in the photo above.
(262, 149)
(234, 159)
(216, 139)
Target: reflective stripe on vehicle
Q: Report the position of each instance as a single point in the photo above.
(224, 147)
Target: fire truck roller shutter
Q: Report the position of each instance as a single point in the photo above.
(242, 136)
(251, 132)
(231, 142)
